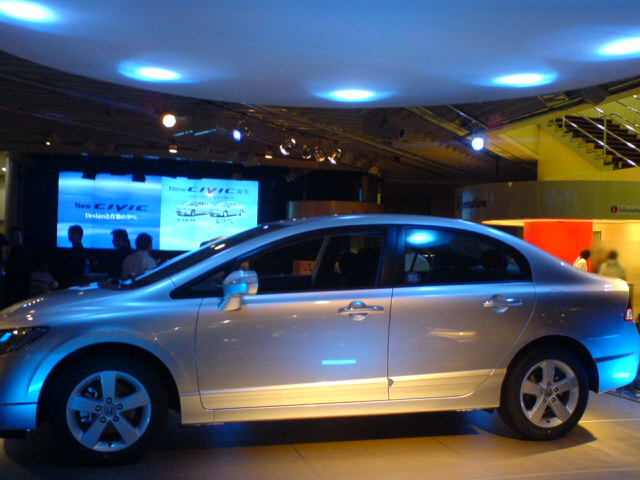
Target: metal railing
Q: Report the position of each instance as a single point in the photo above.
(602, 143)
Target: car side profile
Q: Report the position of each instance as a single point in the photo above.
(226, 209)
(319, 317)
(193, 208)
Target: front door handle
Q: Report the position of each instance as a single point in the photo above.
(501, 304)
(358, 310)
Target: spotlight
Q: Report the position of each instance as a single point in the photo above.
(287, 146)
(478, 142)
(48, 142)
(240, 132)
(306, 152)
(268, 155)
(169, 120)
(173, 148)
(335, 156)
(319, 154)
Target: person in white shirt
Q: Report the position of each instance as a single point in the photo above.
(139, 261)
(612, 268)
(581, 261)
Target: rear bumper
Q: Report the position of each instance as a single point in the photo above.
(616, 372)
(16, 417)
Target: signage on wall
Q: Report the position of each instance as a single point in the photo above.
(622, 209)
(178, 213)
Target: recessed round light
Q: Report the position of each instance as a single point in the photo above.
(27, 11)
(622, 47)
(169, 120)
(477, 143)
(519, 80)
(147, 73)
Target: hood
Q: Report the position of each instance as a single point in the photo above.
(39, 310)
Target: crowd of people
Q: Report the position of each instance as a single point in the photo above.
(606, 264)
(26, 276)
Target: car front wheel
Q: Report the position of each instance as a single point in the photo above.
(107, 410)
(545, 394)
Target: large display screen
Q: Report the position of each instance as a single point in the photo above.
(178, 213)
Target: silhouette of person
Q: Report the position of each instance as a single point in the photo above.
(76, 259)
(123, 248)
(18, 269)
(139, 261)
(41, 280)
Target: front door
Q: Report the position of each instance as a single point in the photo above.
(316, 332)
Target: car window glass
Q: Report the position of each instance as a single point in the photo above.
(434, 256)
(320, 263)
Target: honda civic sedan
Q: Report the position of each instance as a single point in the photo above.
(320, 317)
(193, 208)
(225, 209)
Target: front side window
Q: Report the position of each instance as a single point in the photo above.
(442, 256)
(322, 262)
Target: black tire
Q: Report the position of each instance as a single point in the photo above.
(94, 427)
(545, 394)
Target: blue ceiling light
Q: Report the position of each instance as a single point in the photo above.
(521, 80)
(27, 11)
(478, 142)
(352, 95)
(628, 46)
(147, 73)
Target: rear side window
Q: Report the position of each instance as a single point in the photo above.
(442, 256)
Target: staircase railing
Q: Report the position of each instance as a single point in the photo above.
(603, 144)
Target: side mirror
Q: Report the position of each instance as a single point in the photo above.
(235, 286)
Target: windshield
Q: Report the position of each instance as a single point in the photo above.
(187, 259)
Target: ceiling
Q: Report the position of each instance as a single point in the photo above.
(431, 68)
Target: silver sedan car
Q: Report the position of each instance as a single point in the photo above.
(328, 316)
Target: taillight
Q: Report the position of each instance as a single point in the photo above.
(629, 315)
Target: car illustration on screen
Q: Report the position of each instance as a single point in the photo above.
(319, 317)
(193, 208)
(226, 209)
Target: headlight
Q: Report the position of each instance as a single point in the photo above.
(16, 338)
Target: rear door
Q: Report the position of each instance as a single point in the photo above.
(460, 301)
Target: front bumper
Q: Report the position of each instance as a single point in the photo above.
(17, 417)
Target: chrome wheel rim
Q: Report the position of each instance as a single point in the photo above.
(108, 411)
(549, 393)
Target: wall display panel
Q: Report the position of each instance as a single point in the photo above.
(179, 213)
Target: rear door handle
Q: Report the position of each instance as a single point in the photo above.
(501, 304)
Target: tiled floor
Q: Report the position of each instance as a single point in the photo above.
(473, 445)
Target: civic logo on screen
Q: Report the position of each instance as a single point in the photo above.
(113, 207)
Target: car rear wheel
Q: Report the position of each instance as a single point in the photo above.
(107, 410)
(193, 213)
(225, 214)
(545, 394)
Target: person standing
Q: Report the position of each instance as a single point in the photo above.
(139, 261)
(612, 268)
(581, 261)
(75, 265)
(122, 244)
(18, 270)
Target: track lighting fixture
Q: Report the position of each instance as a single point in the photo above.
(335, 156)
(287, 146)
(240, 132)
(319, 155)
(173, 148)
(268, 155)
(306, 152)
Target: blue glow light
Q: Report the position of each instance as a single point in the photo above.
(348, 361)
(237, 135)
(477, 143)
(628, 46)
(28, 11)
(522, 80)
(5, 337)
(148, 73)
(353, 95)
(421, 238)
